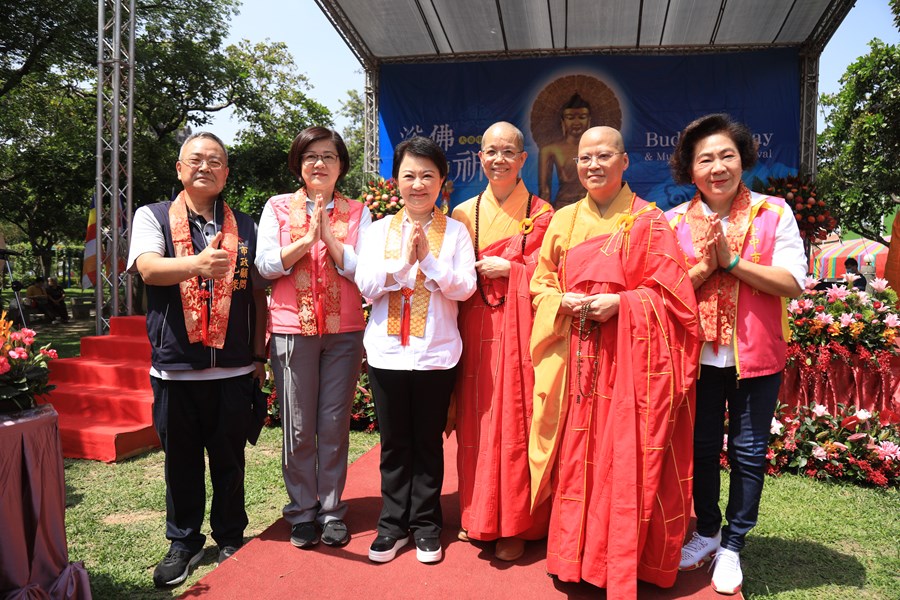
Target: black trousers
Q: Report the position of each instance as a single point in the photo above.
(190, 417)
(411, 407)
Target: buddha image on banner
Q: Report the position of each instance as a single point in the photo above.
(562, 111)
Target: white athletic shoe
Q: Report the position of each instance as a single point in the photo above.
(727, 576)
(698, 551)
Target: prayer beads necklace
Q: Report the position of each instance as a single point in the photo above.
(524, 239)
(583, 335)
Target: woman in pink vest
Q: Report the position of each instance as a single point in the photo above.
(746, 255)
(308, 244)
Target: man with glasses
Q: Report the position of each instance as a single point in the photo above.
(206, 317)
(494, 390)
(615, 349)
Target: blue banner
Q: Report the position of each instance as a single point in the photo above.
(552, 100)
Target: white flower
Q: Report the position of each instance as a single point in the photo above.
(820, 410)
(776, 427)
(863, 415)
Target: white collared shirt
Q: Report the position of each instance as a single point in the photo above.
(450, 278)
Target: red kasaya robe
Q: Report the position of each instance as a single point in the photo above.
(619, 442)
(496, 379)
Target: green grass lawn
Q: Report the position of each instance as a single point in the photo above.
(814, 540)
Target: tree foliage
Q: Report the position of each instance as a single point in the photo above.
(353, 109)
(861, 142)
(184, 73)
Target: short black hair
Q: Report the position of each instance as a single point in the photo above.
(683, 157)
(422, 147)
(309, 136)
(851, 262)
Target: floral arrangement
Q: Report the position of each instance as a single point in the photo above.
(362, 413)
(382, 197)
(856, 445)
(24, 371)
(814, 218)
(843, 322)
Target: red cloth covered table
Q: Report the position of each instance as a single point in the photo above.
(857, 384)
(34, 558)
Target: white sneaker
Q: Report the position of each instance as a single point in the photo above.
(698, 551)
(727, 576)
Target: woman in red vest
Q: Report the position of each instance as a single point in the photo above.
(308, 244)
(746, 254)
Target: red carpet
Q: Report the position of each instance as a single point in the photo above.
(269, 568)
(103, 397)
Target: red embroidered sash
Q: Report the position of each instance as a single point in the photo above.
(204, 323)
(717, 297)
(317, 282)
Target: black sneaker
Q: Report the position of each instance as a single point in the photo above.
(305, 535)
(225, 553)
(335, 533)
(174, 568)
(385, 548)
(428, 549)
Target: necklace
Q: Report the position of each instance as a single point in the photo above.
(584, 332)
(524, 239)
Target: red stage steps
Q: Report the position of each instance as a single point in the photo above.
(103, 397)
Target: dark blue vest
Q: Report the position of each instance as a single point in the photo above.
(171, 350)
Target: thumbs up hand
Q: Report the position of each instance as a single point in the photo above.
(212, 263)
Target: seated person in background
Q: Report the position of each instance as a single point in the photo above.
(56, 300)
(36, 294)
(852, 267)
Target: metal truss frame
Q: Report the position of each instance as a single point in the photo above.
(115, 129)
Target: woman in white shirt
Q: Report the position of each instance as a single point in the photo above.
(415, 267)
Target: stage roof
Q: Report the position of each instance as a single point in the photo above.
(381, 31)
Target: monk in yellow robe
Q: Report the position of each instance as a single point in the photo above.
(496, 381)
(615, 349)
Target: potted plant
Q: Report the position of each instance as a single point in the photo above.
(24, 369)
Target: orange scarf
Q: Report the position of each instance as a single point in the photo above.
(717, 296)
(204, 323)
(318, 283)
(408, 308)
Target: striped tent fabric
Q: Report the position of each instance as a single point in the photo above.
(89, 265)
(827, 261)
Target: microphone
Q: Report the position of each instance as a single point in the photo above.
(5, 253)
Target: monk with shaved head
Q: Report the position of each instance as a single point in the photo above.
(615, 347)
(494, 390)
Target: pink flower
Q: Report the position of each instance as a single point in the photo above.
(891, 320)
(51, 353)
(879, 284)
(15, 336)
(819, 410)
(888, 450)
(369, 197)
(825, 318)
(810, 283)
(858, 436)
(4, 365)
(819, 453)
(863, 415)
(836, 292)
(19, 353)
(776, 427)
(863, 296)
(794, 307)
(850, 278)
(807, 303)
(846, 319)
(839, 445)
(28, 332)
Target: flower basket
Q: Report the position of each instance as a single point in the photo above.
(814, 218)
(382, 197)
(24, 371)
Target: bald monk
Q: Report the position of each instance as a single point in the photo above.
(615, 347)
(494, 390)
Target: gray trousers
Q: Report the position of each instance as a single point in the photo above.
(316, 378)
